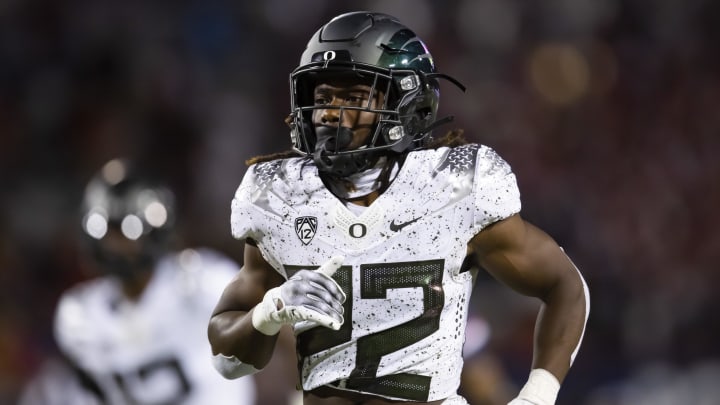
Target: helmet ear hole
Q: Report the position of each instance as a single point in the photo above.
(424, 113)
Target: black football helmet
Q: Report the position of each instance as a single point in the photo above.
(118, 202)
(378, 50)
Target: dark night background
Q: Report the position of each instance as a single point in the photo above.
(608, 112)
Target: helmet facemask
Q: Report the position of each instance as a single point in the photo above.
(406, 108)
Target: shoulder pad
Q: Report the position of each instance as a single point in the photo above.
(491, 164)
(460, 159)
(266, 172)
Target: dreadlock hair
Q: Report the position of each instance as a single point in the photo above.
(273, 156)
(451, 139)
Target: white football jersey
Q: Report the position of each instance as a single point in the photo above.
(407, 298)
(56, 383)
(154, 350)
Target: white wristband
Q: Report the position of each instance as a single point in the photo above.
(231, 367)
(261, 318)
(541, 388)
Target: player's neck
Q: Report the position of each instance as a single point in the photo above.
(364, 200)
(365, 187)
(133, 287)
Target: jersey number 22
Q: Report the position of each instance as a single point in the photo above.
(375, 281)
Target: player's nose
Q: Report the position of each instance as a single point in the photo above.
(331, 115)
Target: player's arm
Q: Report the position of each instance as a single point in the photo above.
(258, 301)
(230, 330)
(528, 260)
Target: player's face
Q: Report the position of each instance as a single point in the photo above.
(116, 244)
(128, 259)
(339, 93)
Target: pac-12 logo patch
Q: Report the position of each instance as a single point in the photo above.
(305, 228)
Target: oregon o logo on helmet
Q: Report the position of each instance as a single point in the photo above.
(329, 55)
(357, 230)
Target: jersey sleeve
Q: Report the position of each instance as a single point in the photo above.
(72, 329)
(496, 192)
(242, 210)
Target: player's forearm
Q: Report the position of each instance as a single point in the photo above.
(231, 333)
(560, 325)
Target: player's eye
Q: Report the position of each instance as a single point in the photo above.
(355, 100)
(321, 100)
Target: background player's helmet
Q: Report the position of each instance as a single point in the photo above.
(118, 201)
(387, 55)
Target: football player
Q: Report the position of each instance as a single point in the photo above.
(137, 334)
(366, 237)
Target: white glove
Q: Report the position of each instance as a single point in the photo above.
(541, 389)
(309, 295)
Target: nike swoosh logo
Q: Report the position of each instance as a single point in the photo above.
(396, 227)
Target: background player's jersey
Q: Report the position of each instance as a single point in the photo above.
(57, 383)
(407, 298)
(154, 350)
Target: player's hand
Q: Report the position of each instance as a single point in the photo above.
(309, 295)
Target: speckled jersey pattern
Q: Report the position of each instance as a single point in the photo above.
(407, 302)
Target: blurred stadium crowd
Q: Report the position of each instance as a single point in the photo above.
(608, 112)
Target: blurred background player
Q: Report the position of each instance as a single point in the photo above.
(137, 334)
